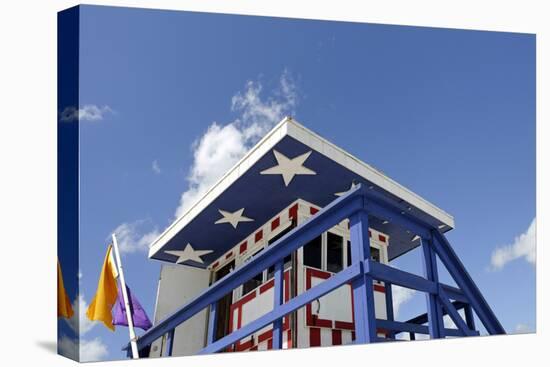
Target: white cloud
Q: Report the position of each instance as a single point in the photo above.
(134, 236)
(90, 350)
(156, 167)
(523, 329)
(89, 112)
(524, 246)
(223, 145)
(80, 322)
(400, 296)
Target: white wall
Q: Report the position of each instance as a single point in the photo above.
(178, 284)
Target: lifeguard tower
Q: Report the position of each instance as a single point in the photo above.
(290, 249)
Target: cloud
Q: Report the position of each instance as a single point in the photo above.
(156, 167)
(400, 296)
(89, 112)
(523, 329)
(135, 236)
(90, 350)
(80, 322)
(222, 146)
(524, 246)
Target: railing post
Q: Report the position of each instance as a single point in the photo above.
(389, 306)
(469, 316)
(435, 314)
(363, 294)
(212, 322)
(278, 287)
(169, 343)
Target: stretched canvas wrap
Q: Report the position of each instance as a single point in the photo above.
(234, 183)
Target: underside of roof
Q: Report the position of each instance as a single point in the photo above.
(289, 163)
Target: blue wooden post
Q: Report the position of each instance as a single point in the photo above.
(278, 288)
(389, 307)
(169, 343)
(212, 322)
(435, 314)
(469, 315)
(363, 295)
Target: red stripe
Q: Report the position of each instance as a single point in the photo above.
(259, 235)
(215, 264)
(242, 247)
(336, 337)
(313, 210)
(270, 344)
(381, 238)
(289, 339)
(379, 288)
(275, 223)
(229, 255)
(314, 337)
(293, 212)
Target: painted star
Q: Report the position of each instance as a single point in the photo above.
(189, 253)
(353, 184)
(288, 167)
(233, 218)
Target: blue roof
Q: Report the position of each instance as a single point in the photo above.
(263, 196)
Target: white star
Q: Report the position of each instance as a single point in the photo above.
(233, 218)
(289, 168)
(189, 253)
(353, 184)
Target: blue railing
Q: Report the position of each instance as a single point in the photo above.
(356, 206)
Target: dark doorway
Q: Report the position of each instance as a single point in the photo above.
(224, 304)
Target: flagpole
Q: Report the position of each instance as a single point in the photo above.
(133, 343)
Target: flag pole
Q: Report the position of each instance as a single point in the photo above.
(133, 343)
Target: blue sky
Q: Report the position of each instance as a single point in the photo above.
(450, 114)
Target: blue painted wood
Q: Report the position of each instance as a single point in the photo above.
(336, 281)
(400, 327)
(212, 322)
(386, 273)
(389, 306)
(326, 218)
(453, 264)
(454, 293)
(423, 318)
(351, 205)
(278, 287)
(169, 343)
(363, 293)
(469, 315)
(394, 214)
(453, 313)
(435, 315)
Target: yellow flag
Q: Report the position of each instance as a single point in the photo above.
(64, 308)
(106, 293)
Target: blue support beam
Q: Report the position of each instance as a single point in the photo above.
(278, 299)
(469, 315)
(435, 315)
(389, 306)
(343, 277)
(453, 264)
(386, 273)
(363, 293)
(212, 322)
(406, 327)
(453, 313)
(169, 343)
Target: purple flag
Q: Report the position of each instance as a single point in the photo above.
(139, 317)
